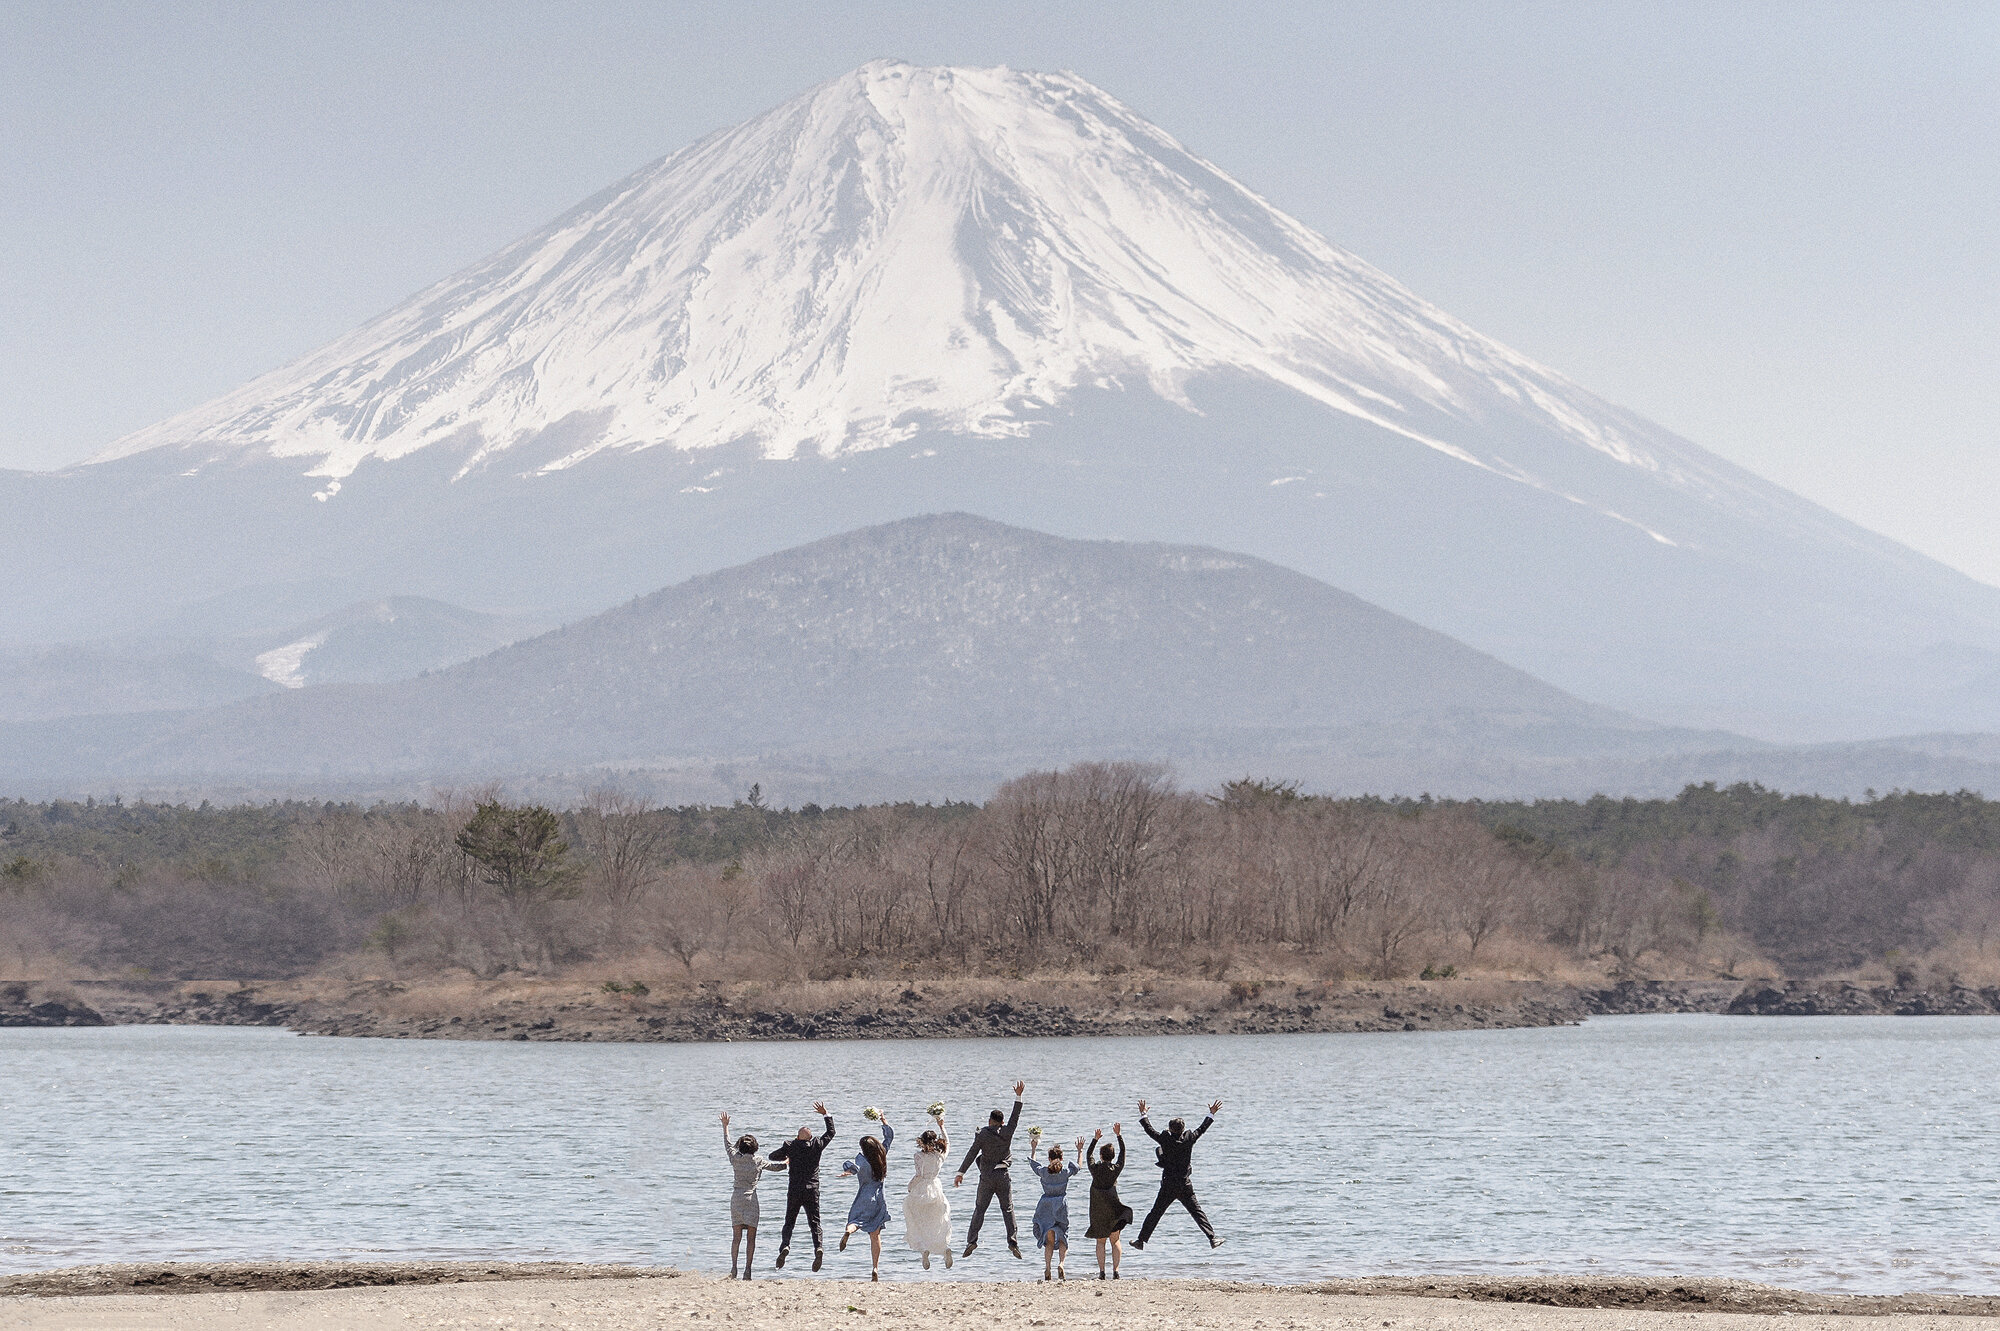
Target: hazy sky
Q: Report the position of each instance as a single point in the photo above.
(1772, 227)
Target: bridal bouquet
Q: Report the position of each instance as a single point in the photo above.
(937, 1109)
(1035, 1131)
(872, 1114)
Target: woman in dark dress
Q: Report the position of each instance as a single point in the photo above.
(1108, 1215)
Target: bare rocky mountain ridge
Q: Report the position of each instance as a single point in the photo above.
(916, 290)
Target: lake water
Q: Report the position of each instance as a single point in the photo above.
(1843, 1153)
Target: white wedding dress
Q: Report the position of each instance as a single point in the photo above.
(927, 1211)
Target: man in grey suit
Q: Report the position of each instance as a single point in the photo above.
(993, 1148)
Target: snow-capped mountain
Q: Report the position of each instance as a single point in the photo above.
(903, 249)
(915, 290)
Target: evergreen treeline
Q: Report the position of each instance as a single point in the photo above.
(1102, 866)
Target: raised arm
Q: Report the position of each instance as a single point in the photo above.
(728, 1146)
(1208, 1122)
(1147, 1124)
(888, 1135)
(1015, 1117)
(819, 1108)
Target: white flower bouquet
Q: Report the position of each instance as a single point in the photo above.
(1035, 1131)
(937, 1109)
(872, 1114)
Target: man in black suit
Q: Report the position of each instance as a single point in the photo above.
(1176, 1160)
(802, 1154)
(993, 1148)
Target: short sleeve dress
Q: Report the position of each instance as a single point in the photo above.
(1052, 1212)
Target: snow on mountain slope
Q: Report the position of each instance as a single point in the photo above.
(898, 249)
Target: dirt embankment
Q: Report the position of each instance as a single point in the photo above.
(524, 1009)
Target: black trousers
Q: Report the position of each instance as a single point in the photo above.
(996, 1184)
(1182, 1192)
(807, 1200)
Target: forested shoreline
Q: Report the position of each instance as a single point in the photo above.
(1098, 870)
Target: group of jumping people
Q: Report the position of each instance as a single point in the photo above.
(927, 1209)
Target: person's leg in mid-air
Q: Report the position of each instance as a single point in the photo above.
(812, 1223)
(1187, 1199)
(1168, 1196)
(978, 1213)
(793, 1201)
(1003, 1188)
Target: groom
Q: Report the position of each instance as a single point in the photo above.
(802, 1154)
(993, 1148)
(1176, 1159)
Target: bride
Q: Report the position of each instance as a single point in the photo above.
(927, 1211)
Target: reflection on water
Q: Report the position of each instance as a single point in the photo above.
(1837, 1153)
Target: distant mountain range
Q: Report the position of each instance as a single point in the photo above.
(180, 662)
(921, 290)
(930, 657)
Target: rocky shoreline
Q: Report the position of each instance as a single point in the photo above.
(577, 1011)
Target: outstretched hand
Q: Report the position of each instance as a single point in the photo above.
(819, 1107)
(1019, 1087)
(1118, 1129)
(1142, 1109)
(1215, 1109)
(725, 1120)
(1079, 1145)
(1098, 1135)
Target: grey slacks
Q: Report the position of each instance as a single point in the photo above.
(997, 1183)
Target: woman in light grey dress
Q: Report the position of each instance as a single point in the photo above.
(750, 1165)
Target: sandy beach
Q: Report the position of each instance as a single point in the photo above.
(664, 1299)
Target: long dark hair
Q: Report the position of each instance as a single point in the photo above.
(878, 1159)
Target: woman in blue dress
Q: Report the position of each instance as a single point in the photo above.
(870, 1210)
(1052, 1212)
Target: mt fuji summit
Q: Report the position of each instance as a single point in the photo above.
(915, 290)
(899, 250)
